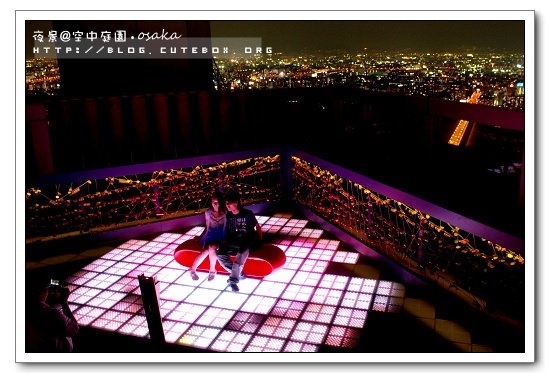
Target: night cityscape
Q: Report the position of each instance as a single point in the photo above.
(449, 76)
(499, 77)
(386, 159)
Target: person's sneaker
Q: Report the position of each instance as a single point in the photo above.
(234, 287)
(211, 276)
(243, 276)
(194, 276)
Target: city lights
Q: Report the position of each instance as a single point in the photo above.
(444, 75)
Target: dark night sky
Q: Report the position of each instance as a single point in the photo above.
(299, 36)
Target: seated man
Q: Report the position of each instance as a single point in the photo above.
(242, 233)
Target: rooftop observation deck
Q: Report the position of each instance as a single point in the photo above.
(383, 224)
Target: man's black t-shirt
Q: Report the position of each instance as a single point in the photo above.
(241, 228)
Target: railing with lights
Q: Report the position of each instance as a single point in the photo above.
(111, 199)
(488, 267)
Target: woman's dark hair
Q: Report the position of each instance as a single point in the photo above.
(221, 200)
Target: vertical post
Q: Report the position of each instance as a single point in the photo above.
(149, 295)
(206, 135)
(156, 201)
(92, 125)
(220, 181)
(162, 120)
(183, 110)
(419, 239)
(37, 121)
(369, 215)
(142, 146)
(286, 174)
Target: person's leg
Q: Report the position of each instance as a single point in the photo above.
(223, 257)
(213, 258)
(198, 260)
(238, 265)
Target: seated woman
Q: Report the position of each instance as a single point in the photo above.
(215, 219)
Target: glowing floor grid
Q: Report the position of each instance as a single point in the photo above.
(298, 308)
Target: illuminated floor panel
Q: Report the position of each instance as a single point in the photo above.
(299, 308)
(260, 343)
(292, 346)
(344, 337)
(231, 341)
